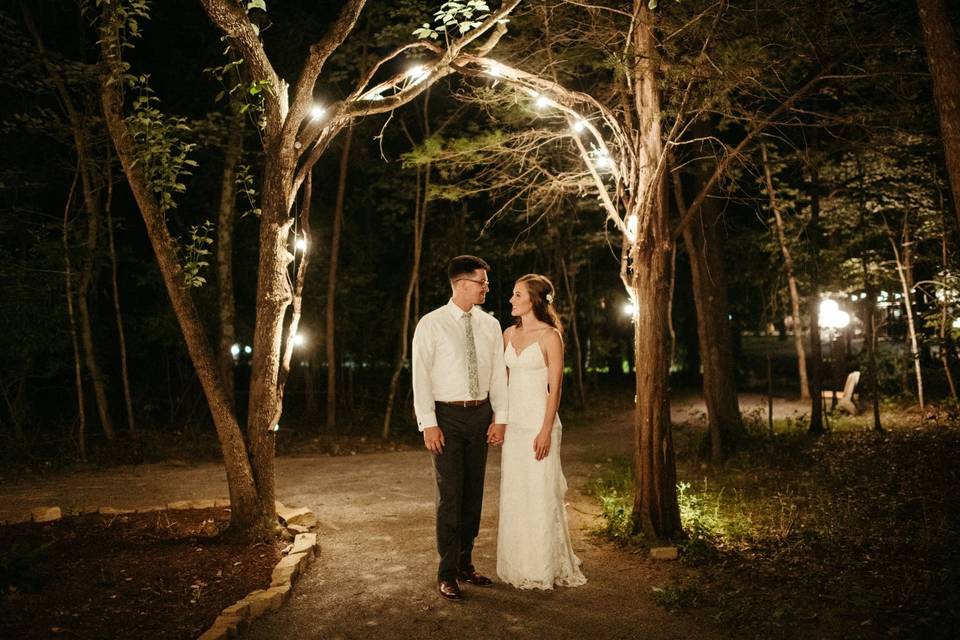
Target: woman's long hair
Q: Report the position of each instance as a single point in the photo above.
(542, 295)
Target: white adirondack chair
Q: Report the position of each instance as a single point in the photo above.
(845, 397)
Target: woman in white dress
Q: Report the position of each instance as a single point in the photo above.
(533, 545)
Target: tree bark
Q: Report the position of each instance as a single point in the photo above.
(81, 433)
(90, 187)
(903, 271)
(247, 514)
(225, 219)
(121, 336)
(656, 511)
(419, 224)
(791, 280)
(943, 58)
(816, 350)
(569, 286)
(713, 321)
(332, 284)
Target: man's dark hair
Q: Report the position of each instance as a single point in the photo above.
(464, 265)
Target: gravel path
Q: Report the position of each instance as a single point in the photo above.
(375, 575)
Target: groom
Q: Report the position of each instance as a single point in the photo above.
(460, 398)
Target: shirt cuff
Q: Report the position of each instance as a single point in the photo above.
(427, 421)
(500, 418)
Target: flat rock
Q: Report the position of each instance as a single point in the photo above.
(45, 514)
(259, 602)
(301, 516)
(305, 543)
(664, 553)
(114, 511)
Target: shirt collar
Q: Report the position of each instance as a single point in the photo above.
(457, 312)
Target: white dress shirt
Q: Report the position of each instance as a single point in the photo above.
(440, 362)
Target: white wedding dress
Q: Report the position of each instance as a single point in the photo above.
(533, 545)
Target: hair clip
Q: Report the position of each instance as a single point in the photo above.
(549, 298)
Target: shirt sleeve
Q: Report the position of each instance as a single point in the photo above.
(498, 379)
(423, 350)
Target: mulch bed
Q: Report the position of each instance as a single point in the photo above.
(163, 574)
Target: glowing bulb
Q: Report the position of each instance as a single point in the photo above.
(632, 228)
(578, 126)
(828, 307)
(301, 244)
(235, 349)
(298, 340)
(247, 349)
(417, 74)
(542, 102)
(629, 309)
(317, 112)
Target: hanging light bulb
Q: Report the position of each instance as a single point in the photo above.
(317, 112)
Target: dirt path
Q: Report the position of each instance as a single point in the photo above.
(375, 575)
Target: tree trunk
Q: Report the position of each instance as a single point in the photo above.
(943, 57)
(248, 515)
(81, 433)
(86, 326)
(713, 321)
(791, 280)
(90, 187)
(903, 271)
(419, 224)
(945, 341)
(225, 218)
(870, 309)
(121, 336)
(332, 284)
(656, 511)
(816, 350)
(568, 285)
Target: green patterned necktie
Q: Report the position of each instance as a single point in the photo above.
(472, 372)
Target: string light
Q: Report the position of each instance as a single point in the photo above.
(417, 74)
(632, 228)
(629, 309)
(542, 102)
(578, 126)
(235, 350)
(317, 112)
(298, 340)
(301, 244)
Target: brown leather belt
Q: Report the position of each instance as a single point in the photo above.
(464, 403)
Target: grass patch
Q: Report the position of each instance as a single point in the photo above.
(852, 535)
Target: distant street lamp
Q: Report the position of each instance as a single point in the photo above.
(833, 320)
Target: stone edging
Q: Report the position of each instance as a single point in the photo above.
(234, 620)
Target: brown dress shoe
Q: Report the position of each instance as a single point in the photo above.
(471, 576)
(449, 589)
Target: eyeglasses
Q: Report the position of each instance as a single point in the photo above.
(485, 284)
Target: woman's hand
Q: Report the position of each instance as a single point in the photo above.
(541, 444)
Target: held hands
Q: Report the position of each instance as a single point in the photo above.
(541, 444)
(433, 440)
(495, 433)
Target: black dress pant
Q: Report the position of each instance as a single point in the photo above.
(459, 473)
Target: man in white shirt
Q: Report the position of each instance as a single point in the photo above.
(460, 398)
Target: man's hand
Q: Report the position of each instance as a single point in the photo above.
(495, 433)
(433, 440)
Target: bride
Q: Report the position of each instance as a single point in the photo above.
(533, 545)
